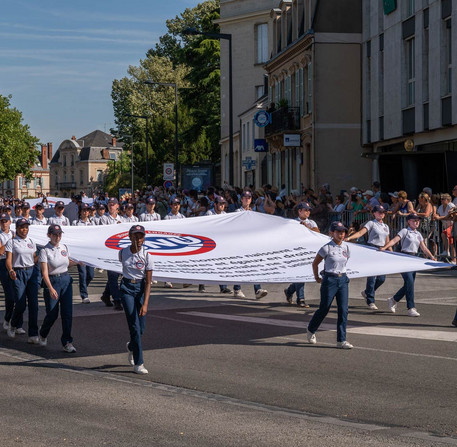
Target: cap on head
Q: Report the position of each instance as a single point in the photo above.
(60, 204)
(379, 209)
(303, 206)
(112, 200)
(39, 206)
(246, 194)
(394, 194)
(413, 216)
(137, 229)
(337, 226)
(220, 199)
(150, 201)
(85, 206)
(175, 200)
(55, 229)
(26, 205)
(21, 222)
(5, 216)
(368, 192)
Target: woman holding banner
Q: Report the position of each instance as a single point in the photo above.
(334, 283)
(134, 291)
(378, 236)
(411, 240)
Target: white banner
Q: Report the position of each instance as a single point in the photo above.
(52, 201)
(233, 248)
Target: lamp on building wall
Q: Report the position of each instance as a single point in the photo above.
(144, 117)
(194, 32)
(171, 84)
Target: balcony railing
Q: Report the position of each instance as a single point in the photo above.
(283, 120)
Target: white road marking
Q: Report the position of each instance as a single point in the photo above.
(182, 321)
(450, 336)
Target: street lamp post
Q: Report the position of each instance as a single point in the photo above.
(172, 84)
(144, 117)
(193, 31)
(131, 154)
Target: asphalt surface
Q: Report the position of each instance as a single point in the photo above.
(228, 372)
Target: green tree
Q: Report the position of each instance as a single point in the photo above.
(17, 145)
(192, 63)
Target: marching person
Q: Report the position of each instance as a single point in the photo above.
(8, 289)
(26, 210)
(135, 290)
(112, 285)
(411, 240)
(129, 217)
(85, 272)
(20, 261)
(378, 236)
(101, 209)
(334, 283)
(246, 201)
(39, 218)
(304, 210)
(150, 214)
(57, 291)
(59, 218)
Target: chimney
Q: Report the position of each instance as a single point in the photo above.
(113, 141)
(105, 154)
(73, 138)
(50, 151)
(44, 156)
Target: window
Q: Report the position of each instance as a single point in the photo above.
(425, 63)
(99, 175)
(299, 89)
(309, 87)
(20, 182)
(243, 145)
(262, 43)
(72, 162)
(410, 72)
(448, 55)
(259, 91)
(65, 160)
(288, 90)
(248, 135)
(81, 177)
(410, 7)
(72, 176)
(64, 176)
(112, 156)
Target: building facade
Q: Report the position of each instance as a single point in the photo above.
(22, 187)
(409, 93)
(80, 164)
(311, 57)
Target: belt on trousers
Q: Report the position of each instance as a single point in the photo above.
(132, 281)
(56, 275)
(408, 253)
(22, 268)
(335, 275)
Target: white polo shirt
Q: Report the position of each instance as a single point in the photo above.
(82, 223)
(134, 265)
(22, 250)
(149, 217)
(56, 220)
(4, 238)
(57, 258)
(171, 216)
(35, 221)
(130, 219)
(410, 240)
(377, 232)
(107, 219)
(335, 257)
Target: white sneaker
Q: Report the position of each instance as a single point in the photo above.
(69, 348)
(154, 281)
(344, 345)
(42, 341)
(392, 304)
(130, 357)
(86, 300)
(261, 293)
(20, 331)
(373, 306)
(6, 325)
(239, 294)
(311, 337)
(444, 253)
(168, 285)
(140, 369)
(11, 332)
(413, 312)
(34, 340)
(363, 293)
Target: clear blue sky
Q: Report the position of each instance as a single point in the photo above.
(58, 58)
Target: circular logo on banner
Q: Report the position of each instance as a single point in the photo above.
(160, 243)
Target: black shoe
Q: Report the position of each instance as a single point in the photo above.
(454, 323)
(226, 290)
(302, 304)
(201, 289)
(106, 300)
(288, 297)
(118, 305)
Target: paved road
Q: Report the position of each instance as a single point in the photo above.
(231, 372)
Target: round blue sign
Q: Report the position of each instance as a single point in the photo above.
(262, 118)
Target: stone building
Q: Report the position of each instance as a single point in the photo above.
(409, 93)
(80, 164)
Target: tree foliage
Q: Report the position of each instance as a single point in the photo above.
(192, 63)
(17, 145)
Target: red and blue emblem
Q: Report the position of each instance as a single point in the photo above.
(63, 253)
(161, 243)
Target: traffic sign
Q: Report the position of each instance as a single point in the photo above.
(262, 118)
(168, 171)
(167, 184)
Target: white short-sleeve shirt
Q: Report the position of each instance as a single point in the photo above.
(35, 221)
(410, 240)
(22, 250)
(171, 216)
(149, 217)
(107, 219)
(4, 238)
(56, 220)
(134, 265)
(335, 257)
(377, 232)
(57, 258)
